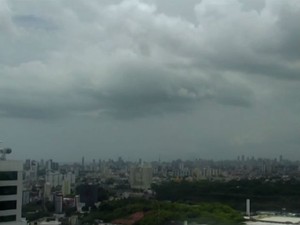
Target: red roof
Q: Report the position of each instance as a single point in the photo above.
(133, 218)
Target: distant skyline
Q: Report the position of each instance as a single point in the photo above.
(209, 79)
(89, 161)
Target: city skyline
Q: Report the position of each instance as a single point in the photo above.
(89, 161)
(150, 79)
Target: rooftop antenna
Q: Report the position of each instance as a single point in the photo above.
(4, 152)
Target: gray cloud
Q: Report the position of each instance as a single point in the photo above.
(138, 66)
(33, 22)
(232, 66)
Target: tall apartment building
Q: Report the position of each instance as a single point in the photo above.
(140, 176)
(11, 182)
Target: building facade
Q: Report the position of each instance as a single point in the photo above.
(140, 177)
(11, 188)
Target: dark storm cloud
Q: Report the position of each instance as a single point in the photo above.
(141, 90)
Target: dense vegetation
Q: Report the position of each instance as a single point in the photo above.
(264, 194)
(160, 212)
(36, 210)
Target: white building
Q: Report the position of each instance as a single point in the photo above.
(66, 188)
(70, 177)
(50, 223)
(54, 178)
(57, 179)
(11, 188)
(140, 177)
(47, 191)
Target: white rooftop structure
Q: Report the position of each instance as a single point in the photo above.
(268, 220)
(54, 222)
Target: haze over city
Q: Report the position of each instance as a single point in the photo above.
(148, 79)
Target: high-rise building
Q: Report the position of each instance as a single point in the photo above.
(280, 158)
(11, 189)
(49, 164)
(54, 178)
(77, 203)
(27, 164)
(66, 187)
(140, 176)
(82, 163)
(88, 194)
(26, 196)
(58, 203)
(47, 190)
(70, 177)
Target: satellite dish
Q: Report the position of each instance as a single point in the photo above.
(4, 152)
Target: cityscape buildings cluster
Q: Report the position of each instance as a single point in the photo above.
(81, 186)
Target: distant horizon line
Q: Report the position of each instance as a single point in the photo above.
(79, 161)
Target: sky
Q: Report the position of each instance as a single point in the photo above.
(150, 79)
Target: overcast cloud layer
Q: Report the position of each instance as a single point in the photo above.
(143, 79)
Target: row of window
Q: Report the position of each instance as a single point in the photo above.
(8, 205)
(8, 218)
(8, 190)
(11, 175)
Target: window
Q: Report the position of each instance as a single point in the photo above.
(8, 218)
(8, 190)
(12, 175)
(8, 205)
